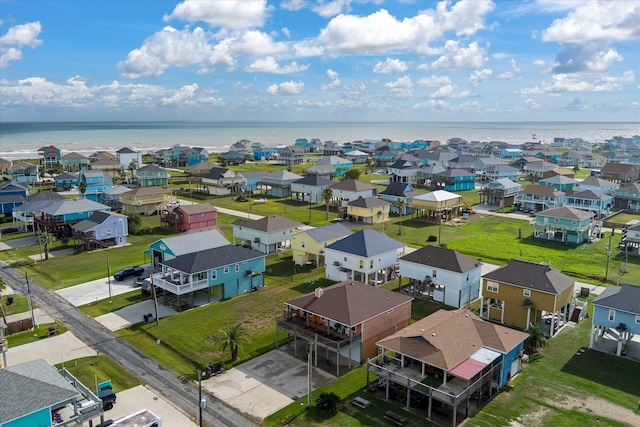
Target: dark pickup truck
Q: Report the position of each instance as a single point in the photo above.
(128, 272)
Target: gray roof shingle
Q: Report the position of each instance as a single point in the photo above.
(623, 298)
(200, 261)
(525, 274)
(439, 257)
(366, 243)
(268, 223)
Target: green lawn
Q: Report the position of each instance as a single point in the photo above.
(96, 369)
(20, 304)
(98, 308)
(40, 332)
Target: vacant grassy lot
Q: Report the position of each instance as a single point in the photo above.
(96, 369)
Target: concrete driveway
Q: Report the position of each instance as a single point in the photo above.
(96, 290)
(18, 243)
(56, 349)
(132, 314)
(265, 384)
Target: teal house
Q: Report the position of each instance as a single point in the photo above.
(152, 176)
(596, 203)
(73, 162)
(617, 309)
(561, 183)
(567, 225)
(340, 164)
(97, 182)
(455, 180)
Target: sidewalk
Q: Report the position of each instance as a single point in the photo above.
(487, 210)
(226, 211)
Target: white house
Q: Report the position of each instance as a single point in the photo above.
(351, 189)
(265, 235)
(453, 277)
(126, 155)
(367, 256)
(310, 188)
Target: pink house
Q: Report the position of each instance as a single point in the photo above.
(192, 217)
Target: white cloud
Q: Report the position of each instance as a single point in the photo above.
(332, 8)
(171, 47)
(599, 21)
(334, 80)
(269, 65)
(286, 32)
(401, 88)
(594, 57)
(436, 104)
(456, 56)
(464, 17)
(390, 66)
(292, 5)
(561, 83)
(434, 81)
(286, 88)
(15, 39)
(539, 63)
(180, 96)
(480, 76)
(449, 92)
(225, 14)
(256, 43)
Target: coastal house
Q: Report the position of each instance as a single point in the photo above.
(221, 181)
(342, 322)
(405, 169)
(481, 164)
(65, 181)
(535, 198)
(569, 173)
(303, 143)
(101, 155)
(23, 172)
(339, 164)
(498, 171)
(191, 217)
(109, 166)
(240, 147)
(501, 192)
(265, 153)
(291, 156)
(351, 189)
(48, 156)
(310, 188)
(630, 241)
(567, 225)
(39, 393)
(74, 162)
(598, 204)
(627, 197)
(560, 183)
(332, 148)
(437, 206)
(308, 245)
(278, 183)
(598, 185)
(326, 171)
(454, 180)
(522, 293)
(510, 153)
(396, 191)
(357, 156)
(24, 214)
(266, 235)
(616, 311)
(366, 256)
(96, 182)
(146, 200)
(152, 176)
(111, 197)
(58, 216)
(619, 173)
(12, 194)
(221, 272)
(426, 174)
(127, 156)
(463, 161)
(232, 158)
(384, 157)
(5, 165)
(536, 170)
(370, 210)
(444, 360)
(102, 230)
(448, 276)
(192, 241)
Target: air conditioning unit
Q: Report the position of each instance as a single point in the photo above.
(256, 240)
(336, 263)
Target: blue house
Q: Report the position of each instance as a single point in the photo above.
(24, 172)
(595, 203)
(12, 194)
(221, 272)
(560, 183)
(65, 181)
(193, 241)
(340, 164)
(102, 230)
(399, 190)
(303, 143)
(97, 181)
(566, 225)
(58, 216)
(455, 180)
(265, 153)
(616, 311)
(510, 153)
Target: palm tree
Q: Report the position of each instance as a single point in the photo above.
(370, 163)
(328, 402)
(82, 187)
(400, 205)
(327, 195)
(46, 239)
(232, 338)
(537, 338)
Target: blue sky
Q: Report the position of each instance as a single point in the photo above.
(320, 60)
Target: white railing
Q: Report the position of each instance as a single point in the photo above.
(177, 288)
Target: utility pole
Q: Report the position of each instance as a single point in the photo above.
(200, 397)
(33, 317)
(606, 274)
(109, 277)
(155, 299)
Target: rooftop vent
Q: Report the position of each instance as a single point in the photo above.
(319, 292)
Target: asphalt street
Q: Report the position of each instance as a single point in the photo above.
(182, 393)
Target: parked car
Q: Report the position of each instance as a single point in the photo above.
(260, 202)
(128, 272)
(9, 230)
(172, 205)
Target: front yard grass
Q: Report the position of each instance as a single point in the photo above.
(98, 308)
(92, 370)
(40, 332)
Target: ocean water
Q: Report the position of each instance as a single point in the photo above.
(22, 140)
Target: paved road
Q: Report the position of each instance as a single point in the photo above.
(182, 394)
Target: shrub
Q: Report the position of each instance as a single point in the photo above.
(328, 402)
(432, 238)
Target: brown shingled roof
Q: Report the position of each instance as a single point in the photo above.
(268, 223)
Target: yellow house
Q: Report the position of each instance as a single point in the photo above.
(522, 293)
(146, 200)
(370, 210)
(438, 205)
(308, 246)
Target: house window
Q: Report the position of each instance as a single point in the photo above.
(638, 319)
(526, 292)
(361, 264)
(371, 264)
(493, 287)
(226, 270)
(214, 274)
(557, 220)
(612, 315)
(434, 273)
(302, 243)
(200, 276)
(237, 267)
(345, 258)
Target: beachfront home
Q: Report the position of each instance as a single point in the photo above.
(192, 241)
(616, 311)
(310, 188)
(152, 176)
(332, 148)
(627, 197)
(620, 173)
(522, 293)
(535, 198)
(446, 359)
(567, 225)
(102, 230)
(5, 165)
(344, 321)
(146, 200)
(308, 245)
(598, 204)
(501, 192)
(232, 158)
(221, 181)
(12, 194)
(370, 210)
(221, 272)
(396, 191)
(191, 217)
(437, 206)
(48, 156)
(26, 173)
(266, 235)
(126, 156)
(368, 256)
(510, 153)
(448, 276)
(73, 162)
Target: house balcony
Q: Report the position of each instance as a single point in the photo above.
(323, 335)
(176, 287)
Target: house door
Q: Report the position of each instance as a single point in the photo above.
(515, 367)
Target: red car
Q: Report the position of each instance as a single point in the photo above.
(9, 230)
